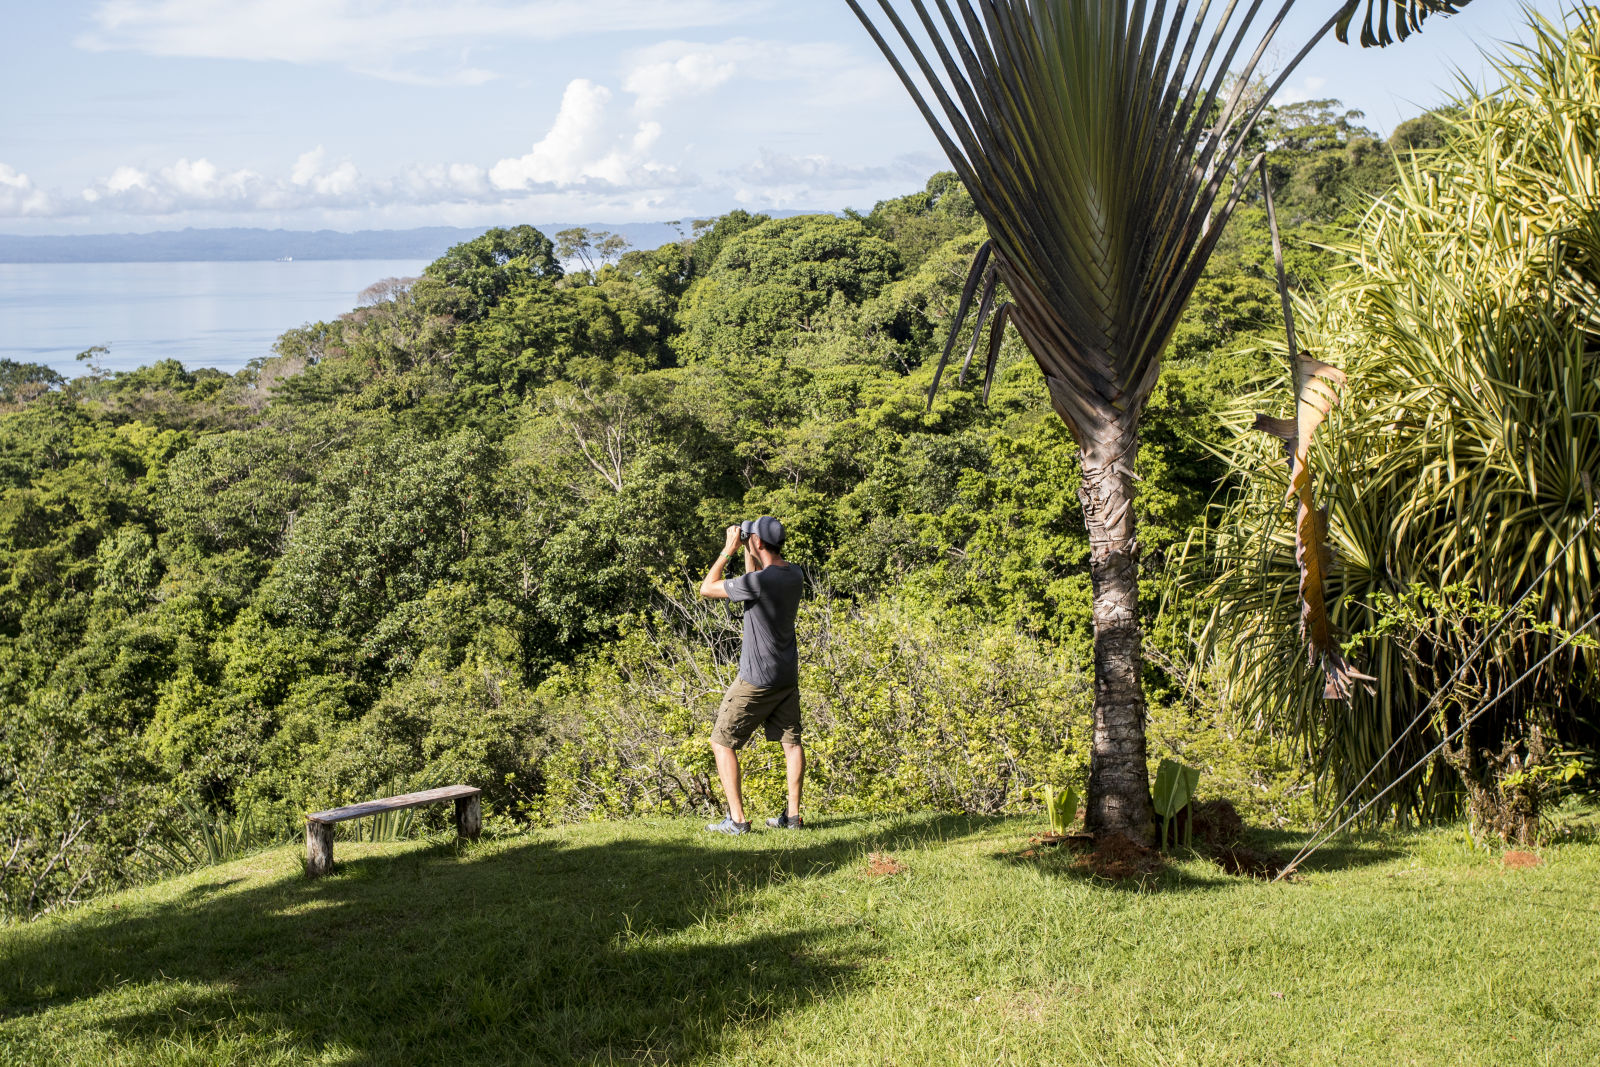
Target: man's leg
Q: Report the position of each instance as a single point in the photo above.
(794, 756)
(728, 771)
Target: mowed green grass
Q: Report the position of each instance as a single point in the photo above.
(653, 942)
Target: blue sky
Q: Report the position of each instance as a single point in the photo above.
(135, 115)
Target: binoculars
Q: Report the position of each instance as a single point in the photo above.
(769, 529)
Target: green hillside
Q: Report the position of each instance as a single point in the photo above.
(453, 536)
(645, 942)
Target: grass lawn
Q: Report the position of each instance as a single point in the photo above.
(652, 942)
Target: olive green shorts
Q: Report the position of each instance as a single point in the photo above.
(744, 707)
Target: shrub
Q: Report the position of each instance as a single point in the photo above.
(903, 711)
(906, 709)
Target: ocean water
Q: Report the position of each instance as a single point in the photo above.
(202, 314)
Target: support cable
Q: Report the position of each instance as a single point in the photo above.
(1307, 848)
(1468, 721)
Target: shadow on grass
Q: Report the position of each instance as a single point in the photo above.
(1343, 853)
(524, 953)
(1191, 870)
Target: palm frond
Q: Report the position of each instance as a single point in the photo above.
(975, 277)
(1075, 157)
(1405, 15)
(984, 303)
(1316, 391)
(1099, 141)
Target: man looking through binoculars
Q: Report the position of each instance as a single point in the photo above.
(767, 691)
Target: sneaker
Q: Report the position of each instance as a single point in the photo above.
(728, 826)
(786, 822)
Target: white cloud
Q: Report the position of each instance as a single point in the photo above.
(369, 35)
(617, 152)
(775, 168)
(593, 139)
(201, 179)
(784, 180)
(464, 76)
(122, 180)
(587, 141)
(827, 74)
(307, 166)
(659, 83)
(1300, 90)
(185, 183)
(594, 163)
(19, 196)
(339, 183)
(590, 155)
(444, 183)
(200, 185)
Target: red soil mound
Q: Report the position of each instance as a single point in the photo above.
(1120, 857)
(881, 865)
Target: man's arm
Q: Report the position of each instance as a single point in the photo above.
(712, 586)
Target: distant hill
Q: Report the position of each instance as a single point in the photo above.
(167, 246)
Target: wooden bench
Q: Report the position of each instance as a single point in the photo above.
(319, 824)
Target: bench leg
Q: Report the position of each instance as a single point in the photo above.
(319, 848)
(469, 817)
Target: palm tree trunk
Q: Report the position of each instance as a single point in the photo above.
(1119, 789)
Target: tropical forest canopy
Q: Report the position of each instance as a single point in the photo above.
(453, 535)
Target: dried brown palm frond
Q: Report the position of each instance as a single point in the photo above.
(1316, 393)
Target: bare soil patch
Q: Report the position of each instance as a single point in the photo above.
(1253, 863)
(1050, 839)
(881, 865)
(1520, 861)
(1216, 823)
(1217, 832)
(1121, 857)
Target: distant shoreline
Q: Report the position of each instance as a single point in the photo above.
(250, 245)
(288, 262)
(231, 245)
(213, 314)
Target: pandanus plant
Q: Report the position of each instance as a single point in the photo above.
(1462, 471)
(1100, 141)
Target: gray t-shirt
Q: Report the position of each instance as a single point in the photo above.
(771, 597)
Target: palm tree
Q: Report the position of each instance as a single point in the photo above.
(1099, 140)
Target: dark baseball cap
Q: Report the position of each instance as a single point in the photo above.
(769, 529)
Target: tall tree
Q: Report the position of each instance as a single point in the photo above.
(471, 277)
(1099, 141)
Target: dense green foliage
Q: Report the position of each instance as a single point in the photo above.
(445, 536)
